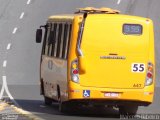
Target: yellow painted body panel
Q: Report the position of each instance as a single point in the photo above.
(103, 36)
(139, 95)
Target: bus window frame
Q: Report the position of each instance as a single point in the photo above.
(65, 36)
(59, 40)
(45, 39)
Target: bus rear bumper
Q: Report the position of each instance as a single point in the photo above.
(142, 97)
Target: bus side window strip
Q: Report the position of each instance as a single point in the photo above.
(62, 40)
(70, 30)
(67, 41)
(44, 40)
(59, 40)
(56, 39)
(49, 40)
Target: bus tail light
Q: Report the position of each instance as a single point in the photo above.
(74, 71)
(149, 76)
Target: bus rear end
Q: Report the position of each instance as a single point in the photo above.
(118, 51)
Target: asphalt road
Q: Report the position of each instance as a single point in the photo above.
(19, 54)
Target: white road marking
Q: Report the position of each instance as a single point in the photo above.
(28, 2)
(5, 88)
(22, 15)
(14, 30)
(5, 63)
(4, 78)
(119, 1)
(9, 46)
(2, 91)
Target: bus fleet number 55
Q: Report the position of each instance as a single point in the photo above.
(138, 67)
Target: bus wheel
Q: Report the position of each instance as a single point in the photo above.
(128, 110)
(47, 101)
(41, 87)
(62, 107)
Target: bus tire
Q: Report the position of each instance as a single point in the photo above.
(62, 107)
(41, 87)
(47, 101)
(128, 110)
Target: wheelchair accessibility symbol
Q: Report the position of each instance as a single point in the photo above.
(86, 93)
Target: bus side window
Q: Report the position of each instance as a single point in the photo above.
(56, 41)
(44, 40)
(50, 40)
(70, 30)
(54, 38)
(47, 40)
(59, 40)
(66, 41)
(62, 40)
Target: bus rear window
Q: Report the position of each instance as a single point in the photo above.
(132, 29)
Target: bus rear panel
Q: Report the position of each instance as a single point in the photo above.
(118, 52)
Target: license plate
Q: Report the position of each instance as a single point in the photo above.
(111, 94)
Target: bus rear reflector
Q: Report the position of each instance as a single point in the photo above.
(149, 76)
(75, 71)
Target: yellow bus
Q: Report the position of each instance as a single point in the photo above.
(99, 57)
